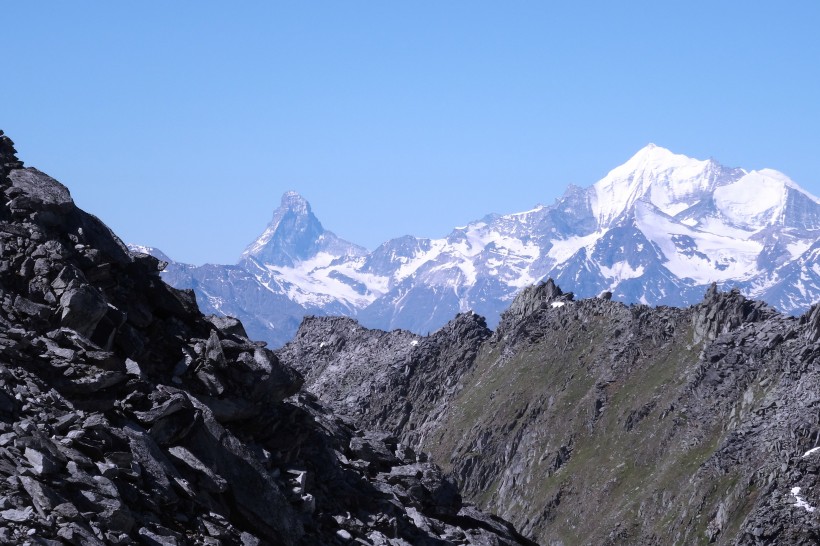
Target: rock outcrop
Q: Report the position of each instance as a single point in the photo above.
(593, 422)
(128, 417)
(396, 381)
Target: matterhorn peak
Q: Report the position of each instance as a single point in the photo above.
(290, 236)
(294, 202)
(294, 235)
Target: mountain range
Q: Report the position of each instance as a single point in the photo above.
(129, 417)
(658, 230)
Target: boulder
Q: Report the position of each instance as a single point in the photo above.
(82, 309)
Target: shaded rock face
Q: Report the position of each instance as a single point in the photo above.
(593, 422)
(721, 313)
(396, 381)
(128, 417)
(812, 320)
(8, 155)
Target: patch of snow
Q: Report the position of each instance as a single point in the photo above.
(468, 268)
(757, 200)
(414, 342)
(421, 258)
(310, 282)
(714, 257)
(812, 450)
(717, 226)
(538, 208)
(621, 271)
(139, 248)
(556, 304)
(671, 208)
(798, 247)
(800, 501)
(563, 249)
(522, 280)
(260, 243)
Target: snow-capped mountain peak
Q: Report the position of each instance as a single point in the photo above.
(294, 235)
(294, 202)
(765, 198)
(672, 182)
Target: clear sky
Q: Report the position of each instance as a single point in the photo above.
(181, 124)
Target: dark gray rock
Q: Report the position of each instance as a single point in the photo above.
(17, 515)
(82, 309)
(812, 319)
(43, 190)
(44, 498)
(42, 463)
(724, 312)
(228, 325)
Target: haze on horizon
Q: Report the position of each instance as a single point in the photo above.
(181, 128)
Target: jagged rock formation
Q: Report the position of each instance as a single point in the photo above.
(128, 417)
(396, 381)
(593, 422)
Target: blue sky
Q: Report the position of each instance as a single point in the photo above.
(180, 124)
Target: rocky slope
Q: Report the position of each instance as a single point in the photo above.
(658, 229)
(128, 417)
(593, 422)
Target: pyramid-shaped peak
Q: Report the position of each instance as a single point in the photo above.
(293, 201)
(294, 234)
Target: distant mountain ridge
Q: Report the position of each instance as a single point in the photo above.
(656, 230)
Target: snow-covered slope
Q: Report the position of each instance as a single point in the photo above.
(657, 229)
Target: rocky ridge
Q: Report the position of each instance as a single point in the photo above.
(594, 422)
(128, 417)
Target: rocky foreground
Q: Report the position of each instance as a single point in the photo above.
(594, 422)
(128, 417)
